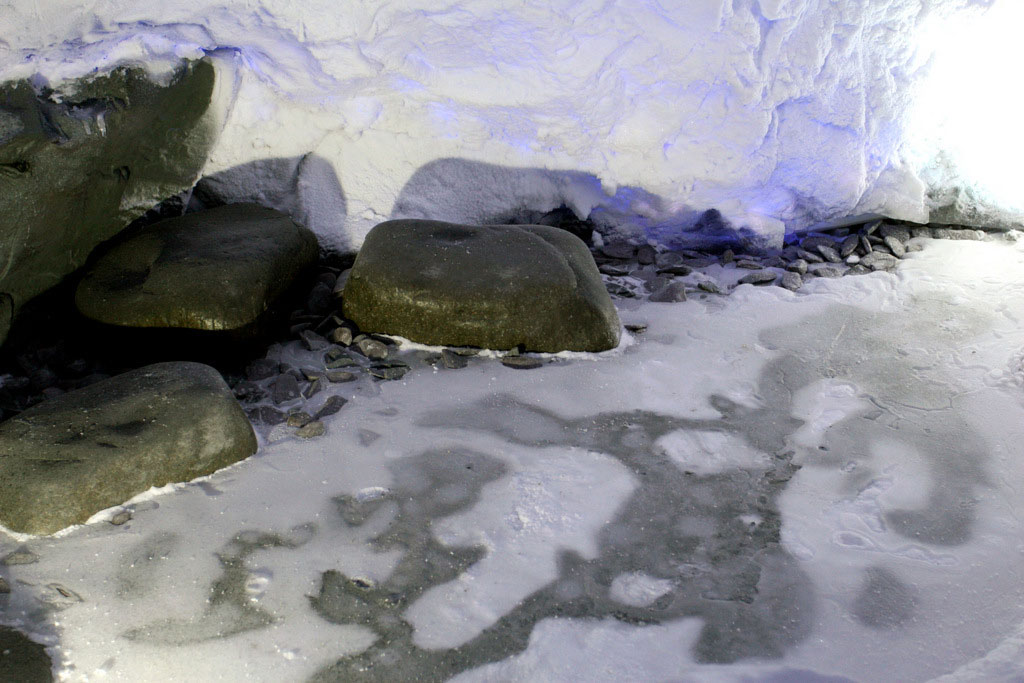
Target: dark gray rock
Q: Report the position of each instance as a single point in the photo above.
(749, 264)
(453, 360)
(340, 376)
(497, 286)
(758, 277)
(331, 406)
(314, 388)
(670, 293)
(521, 362)
(613, 269)
(65, 459)
(813, 242)
(389, 371)
(809, 256)
(267, 415)
(79, 164)
(848, 246)
(619, 250)
(313, 341)
(897, 232)
(676, 269)
(373, 349)
(798, 266)
(709, 286)
(262, 368)
(792, 281)
(876, 260)
(220, 269)
(895, 246)
(285, 388)
(646, 255)
(827, 271)
(829, 253)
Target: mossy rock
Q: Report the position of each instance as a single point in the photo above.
(79, 164)
(492, 286)
(215, 270)
(69, 457)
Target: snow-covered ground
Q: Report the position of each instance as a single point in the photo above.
(763, 486)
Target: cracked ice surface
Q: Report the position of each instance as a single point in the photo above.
(764, 485)
(778, 113)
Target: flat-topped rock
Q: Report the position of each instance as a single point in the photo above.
(220, 269)
(65, 459)
(80, 163)
(492, 286)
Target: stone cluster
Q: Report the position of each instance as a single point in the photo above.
(659, 275)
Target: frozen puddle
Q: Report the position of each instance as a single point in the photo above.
(765, 486)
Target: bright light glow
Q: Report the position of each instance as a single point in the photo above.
(965, 117)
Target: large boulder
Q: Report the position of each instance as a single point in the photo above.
(74, 455)
(220, 269)
(492, 286)
(80, 163)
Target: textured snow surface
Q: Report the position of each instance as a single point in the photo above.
(633, 515)
(777, 112)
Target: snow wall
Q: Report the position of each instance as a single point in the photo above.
(643, 114)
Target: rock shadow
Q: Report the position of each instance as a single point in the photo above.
(305, 187)
(478, 193)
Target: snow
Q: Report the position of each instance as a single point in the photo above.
(778, 114)
(651, 479)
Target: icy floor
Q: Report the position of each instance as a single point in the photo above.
(764, 486)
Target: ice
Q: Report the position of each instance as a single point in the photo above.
(778, 114)
(753, 489)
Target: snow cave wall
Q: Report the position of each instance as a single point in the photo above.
(643, 114)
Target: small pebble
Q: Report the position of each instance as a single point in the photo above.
(452, 360)
(852, 259)
(613, 269)
(870, 228)
(849, 245)
(331, 406)
(619, 250)
(675, 269)
(809, 256)
(897, 232)
(311, 430)
(748, 264)
(314, 388)
(285, 388)
(758, 277)
(895, 246)
(827, 271)
(370, 347)
(637, 328)
(798, 266)
(858, 269)
(646, 255)
(878, 261)
(389, 371)
(792, 280)
(299, 418)
(865, 245)
(311, 374)
(20, 556)
(338, 376)
(521, 362)
(709, 286)
(830, 254)
(728, 256)
(341, 335)
(670, 293)
(121, 517)
(313, 341)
